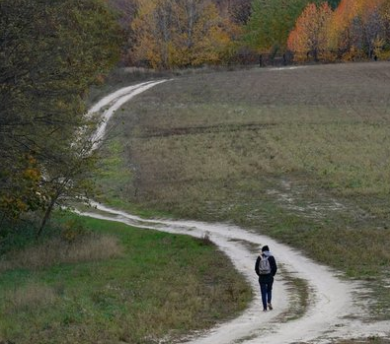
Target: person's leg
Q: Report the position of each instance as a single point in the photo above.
(269, 295)
(263, 289)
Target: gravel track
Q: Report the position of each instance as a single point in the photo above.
(332, 312)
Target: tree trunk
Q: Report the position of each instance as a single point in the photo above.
(46, 217)
(1, 222)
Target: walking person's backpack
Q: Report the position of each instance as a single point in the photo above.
(264, 266)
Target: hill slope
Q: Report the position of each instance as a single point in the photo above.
(300, 154)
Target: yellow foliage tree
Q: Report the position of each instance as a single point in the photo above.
(23, 188)
(179, 33)
(152, 29)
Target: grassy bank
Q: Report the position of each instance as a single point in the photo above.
(120, 284)
(300, 154)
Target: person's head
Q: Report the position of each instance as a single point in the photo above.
(265, 248)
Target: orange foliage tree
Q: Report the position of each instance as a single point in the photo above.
(309, 39)
(358, 27)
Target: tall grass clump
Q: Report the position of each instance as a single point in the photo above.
(57, 251)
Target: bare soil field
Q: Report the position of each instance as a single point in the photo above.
(299, 154)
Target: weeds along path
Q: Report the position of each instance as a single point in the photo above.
(331, 311)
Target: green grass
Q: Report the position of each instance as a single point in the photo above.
(371, 340)
(299, 300)
(158, 285)
(302, 155)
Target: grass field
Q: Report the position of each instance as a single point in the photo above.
(300, 154)
(119, 285)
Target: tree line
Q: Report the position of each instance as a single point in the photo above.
(356, 29)
(180, 33)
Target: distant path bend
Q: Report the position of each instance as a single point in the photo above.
(332, 300)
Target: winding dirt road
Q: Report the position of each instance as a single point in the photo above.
(333, 309)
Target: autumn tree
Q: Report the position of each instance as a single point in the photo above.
(357, 27)
(203, 35)
(152, 32)
(385, 14)
(20, 188)
(374, 25)
(179, 33)
(51, 51)
(309, 39)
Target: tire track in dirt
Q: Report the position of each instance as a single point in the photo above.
(114, 101)
(332, 305)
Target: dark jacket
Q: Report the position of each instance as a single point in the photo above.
(268, 278)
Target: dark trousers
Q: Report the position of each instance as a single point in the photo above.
(266, 293)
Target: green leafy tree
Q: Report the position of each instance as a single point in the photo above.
(271, 22)
(51, 51)
(333, 3)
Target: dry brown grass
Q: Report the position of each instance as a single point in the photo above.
(55, 251)
(32, 296)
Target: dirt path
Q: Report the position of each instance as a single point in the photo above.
(111, 103)
(332, 311)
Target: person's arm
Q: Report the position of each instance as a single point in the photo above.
(257, 266)
(274, 267)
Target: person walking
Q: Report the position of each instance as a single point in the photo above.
(266, 269)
